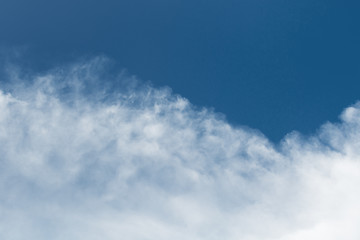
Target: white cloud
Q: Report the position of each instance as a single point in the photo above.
(81, 161)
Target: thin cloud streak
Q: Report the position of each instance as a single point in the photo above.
(82, 160)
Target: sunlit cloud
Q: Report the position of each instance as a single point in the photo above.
(84, 159)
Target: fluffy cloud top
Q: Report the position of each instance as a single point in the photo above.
(81, 160)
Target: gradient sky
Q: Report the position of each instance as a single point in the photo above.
(276, 66)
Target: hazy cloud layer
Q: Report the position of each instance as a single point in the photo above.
(84, 160)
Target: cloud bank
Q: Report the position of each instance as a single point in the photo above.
(81, 159)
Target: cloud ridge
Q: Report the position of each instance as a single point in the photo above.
(84, 159)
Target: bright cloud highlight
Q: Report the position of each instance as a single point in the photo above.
(82, 160)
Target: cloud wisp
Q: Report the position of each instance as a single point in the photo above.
(83, 161)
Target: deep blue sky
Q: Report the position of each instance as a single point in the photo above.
(274, 65)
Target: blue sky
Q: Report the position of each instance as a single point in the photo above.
(163, 120)
(275, 66)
